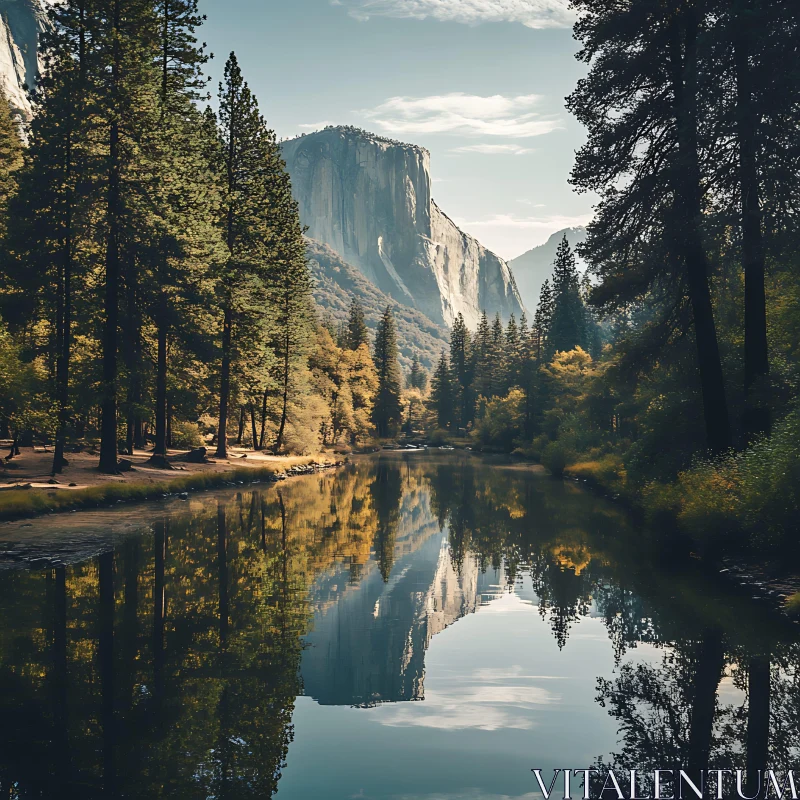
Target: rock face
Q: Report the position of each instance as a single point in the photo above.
(21, 25)
(370, 200)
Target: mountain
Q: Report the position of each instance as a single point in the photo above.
(369, 199)
(336, 282)
(21, 25)
(534, 267)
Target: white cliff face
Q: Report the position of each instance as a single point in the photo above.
(370, 200)
(21, 25)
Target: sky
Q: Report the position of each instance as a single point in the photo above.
(480, 83)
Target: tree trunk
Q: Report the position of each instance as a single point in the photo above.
(757, 417)
(108, 431)
(285, 404)
(64, 321)
(253, 426)
(262, 439)
(688, 228)
(225, 384)
(240, 435)
(160, 448)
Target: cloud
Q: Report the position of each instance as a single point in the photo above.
(527, 223)
(486, 700)
(466, 114)
(494, 149)
(531, 13)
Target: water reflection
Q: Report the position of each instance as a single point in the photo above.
(171, 665)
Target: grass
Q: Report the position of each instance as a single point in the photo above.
(606, 472)
(20, 503)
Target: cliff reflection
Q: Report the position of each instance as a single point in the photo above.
(169, 666)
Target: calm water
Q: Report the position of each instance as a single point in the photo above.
(413, 626)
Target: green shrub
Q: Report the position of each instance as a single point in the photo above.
(755, 492)
(556, 456)
(438, 437)
(186, 435)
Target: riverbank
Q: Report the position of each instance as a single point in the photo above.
(28, 489)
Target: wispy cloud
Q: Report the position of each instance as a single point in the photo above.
(486, 700)
(531, 13)
(466, 114)
(527, 223)
(494, 149)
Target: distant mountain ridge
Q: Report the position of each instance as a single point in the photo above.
(533, 268)
(369, 199)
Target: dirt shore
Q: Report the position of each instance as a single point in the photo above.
(27, 486)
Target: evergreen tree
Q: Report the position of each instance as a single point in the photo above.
(418, 378)
(567, 328)
(290, 294)
(462, 368)
(498, 359)
(357, 332)
(255, 186)
(185, 165)
(441, 399)
(542, 321)
(482, 367)
(646, 158)
(387, 410)
(513, 354)
(10, 159)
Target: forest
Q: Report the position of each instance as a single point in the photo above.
(668, 374)
(155, 284)
(155, 289)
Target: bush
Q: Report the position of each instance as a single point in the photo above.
(755, 492)
(603, 470)
(438, 438)
(556, 456)
(186, 435)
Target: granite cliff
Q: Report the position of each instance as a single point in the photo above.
(369, 199)
(21, 24)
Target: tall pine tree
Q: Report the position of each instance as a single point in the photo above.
(387, 409)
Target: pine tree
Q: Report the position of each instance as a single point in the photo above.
(542, 321)
(10, 159)
(482, 367)
(567, 329)
(418, 378)
(290, 294)
(254, 185)
(462, 368)
(513, 353)
(646, 159)
(185, 165)
(387, 410)
(357, 332)
(498, 359)
(441, 399)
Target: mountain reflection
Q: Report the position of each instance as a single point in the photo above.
(169, 666)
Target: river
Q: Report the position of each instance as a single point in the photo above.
(415, 626)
